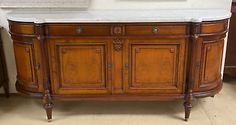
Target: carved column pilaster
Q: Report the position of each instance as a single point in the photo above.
(47, 99)
(118, 30)
(118, 42)
(195, 30)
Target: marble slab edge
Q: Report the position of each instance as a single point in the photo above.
(122, 16)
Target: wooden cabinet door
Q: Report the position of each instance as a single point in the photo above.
(79, 66)
(28, 65)
(212, 53)
(155, 66)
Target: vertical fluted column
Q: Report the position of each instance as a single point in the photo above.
(47, 99)
(193, 64)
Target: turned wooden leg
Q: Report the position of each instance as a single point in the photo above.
(47, 102)
(188, 105)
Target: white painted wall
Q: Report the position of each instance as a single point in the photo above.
(111, 4)
(159, 4)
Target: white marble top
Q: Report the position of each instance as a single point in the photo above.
(91, 16)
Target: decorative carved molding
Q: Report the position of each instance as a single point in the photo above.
(98, 50)
(118, 44)
(137, 50)
(172, 50)
(118, 30)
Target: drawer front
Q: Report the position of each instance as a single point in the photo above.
(156, 30)
(77, 30)
(214, 27)
(22, 28)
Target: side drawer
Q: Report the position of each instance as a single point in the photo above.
(157, 29)
(77, 30)
(22, 28)
(214, 27)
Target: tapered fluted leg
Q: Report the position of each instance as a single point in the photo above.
(47, 102)
(188, 105)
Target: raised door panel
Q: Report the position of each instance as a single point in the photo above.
(156, 66)
(79, 66)
(26, 66)
(211, 66)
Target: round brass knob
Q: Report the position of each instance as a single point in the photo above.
(79, 30)
(155, 30)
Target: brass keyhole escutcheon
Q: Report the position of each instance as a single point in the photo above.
(126, 66)
(109, 66)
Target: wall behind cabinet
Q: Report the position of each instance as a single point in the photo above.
(111, 4)
(159, 4)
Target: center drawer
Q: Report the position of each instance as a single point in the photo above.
(156, 29)
(77, 30)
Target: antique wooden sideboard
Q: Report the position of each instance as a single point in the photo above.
(147, 60)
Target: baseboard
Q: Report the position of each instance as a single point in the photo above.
(10, 94)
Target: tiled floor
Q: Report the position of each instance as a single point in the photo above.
(221, 110)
